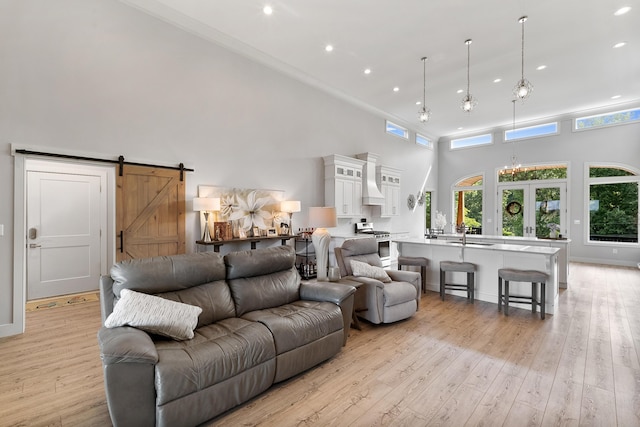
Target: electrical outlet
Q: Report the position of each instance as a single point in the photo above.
(576, 222)
(1, 229)
(615, 251)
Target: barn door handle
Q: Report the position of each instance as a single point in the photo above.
(121, 241)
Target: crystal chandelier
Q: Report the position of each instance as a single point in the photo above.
(424, 113)
(515, 166)
(523, 88)
(468, 102)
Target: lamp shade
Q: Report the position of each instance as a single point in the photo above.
(321, 217)
(290, 206)
(206, 204)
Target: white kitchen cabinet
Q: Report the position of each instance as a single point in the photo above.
(388, 180)
(343, 185)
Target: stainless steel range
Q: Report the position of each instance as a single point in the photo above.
(382, 237)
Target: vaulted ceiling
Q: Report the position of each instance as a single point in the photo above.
(573, 39)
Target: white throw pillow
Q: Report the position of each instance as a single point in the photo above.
(154, 314)
(363, 269)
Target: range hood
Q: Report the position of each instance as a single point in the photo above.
(371, 195)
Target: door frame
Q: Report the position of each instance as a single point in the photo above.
(529, 188)
(23, 163)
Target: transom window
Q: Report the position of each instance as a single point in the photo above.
(608, 119)
(531, 131)
(424, 141)
(532, 173)
(472, 141)
(397, 130)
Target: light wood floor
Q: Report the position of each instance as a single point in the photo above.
(452, 364)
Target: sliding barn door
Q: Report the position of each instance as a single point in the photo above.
(150, 218)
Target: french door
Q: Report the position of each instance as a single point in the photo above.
(532, 210)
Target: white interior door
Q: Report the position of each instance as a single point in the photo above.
(64, 250)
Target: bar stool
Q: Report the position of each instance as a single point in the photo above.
(418, 261)
(515, 275)
(462, 267)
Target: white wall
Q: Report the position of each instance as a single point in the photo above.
(616, 144)
(97, 77)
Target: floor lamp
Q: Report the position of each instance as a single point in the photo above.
(322, 218)
(206, 205)
(290, 206)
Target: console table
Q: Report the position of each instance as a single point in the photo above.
(253, 240)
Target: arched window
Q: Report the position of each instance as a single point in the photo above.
(468, 202)
(612, 203)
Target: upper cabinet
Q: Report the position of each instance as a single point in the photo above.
(343, 185)
(388, 180)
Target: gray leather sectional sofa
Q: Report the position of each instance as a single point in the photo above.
(259, 325)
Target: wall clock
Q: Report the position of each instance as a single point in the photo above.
(411, 201)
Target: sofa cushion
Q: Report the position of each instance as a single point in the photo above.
(299, 323)
(360, 249)
(154, 314)
(362, 269)
(259, 262)
(217, 352)
(213, 298)
(262, 278)
(167, 273)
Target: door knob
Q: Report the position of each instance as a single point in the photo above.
(33, 245)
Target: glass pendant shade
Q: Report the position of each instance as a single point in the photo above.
(468, 102)
(424, 114)
(524, 87)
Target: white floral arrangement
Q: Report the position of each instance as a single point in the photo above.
(440, 220)
(554, 230)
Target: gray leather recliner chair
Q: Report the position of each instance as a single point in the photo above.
(376, 301)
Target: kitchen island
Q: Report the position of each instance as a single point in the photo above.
(562, 244)
(489, 257)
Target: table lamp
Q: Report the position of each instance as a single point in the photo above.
(320, 218)
(290, 206)
(206, 205)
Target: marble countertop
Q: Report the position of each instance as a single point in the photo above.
(505, 238)
(484, 246)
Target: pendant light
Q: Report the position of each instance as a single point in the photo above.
(425, 113)
(523, 88)
(515, 166)
(468, 102)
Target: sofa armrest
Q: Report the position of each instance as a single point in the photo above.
(326, 291)
(412, 277)
(126, 345)
(106, 297)
(129, 358)
(341, 294)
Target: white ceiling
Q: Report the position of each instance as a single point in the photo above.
(573, 38)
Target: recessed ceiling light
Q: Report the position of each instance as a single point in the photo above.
(616, 96)
(328, 48)
(460, 128)
(498, 80)
(367, 71)
(268, 10)
(459, 91)
(396, 89)
(418, 102)
(541, 67)
(617, 45)
(622, 10)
